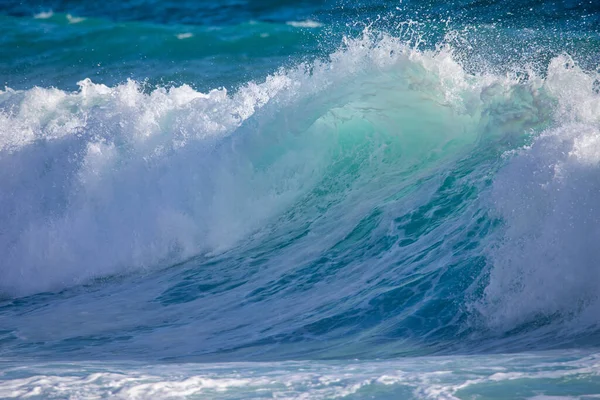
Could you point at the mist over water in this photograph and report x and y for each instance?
(378, 206)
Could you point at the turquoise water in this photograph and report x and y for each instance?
(312, 200)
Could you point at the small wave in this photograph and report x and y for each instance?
(185, 35)
(44, 15)
(305, 24)
(74, 20)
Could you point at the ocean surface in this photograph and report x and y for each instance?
(317, 199)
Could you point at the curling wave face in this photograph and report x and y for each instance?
(382, 201)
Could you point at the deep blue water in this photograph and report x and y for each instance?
(317, 199)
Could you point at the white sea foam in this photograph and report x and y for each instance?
(418, 378)
(129, 176)
(546, 264)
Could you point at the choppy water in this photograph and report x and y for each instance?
(312, 200)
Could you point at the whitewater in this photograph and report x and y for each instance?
(399, 216)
